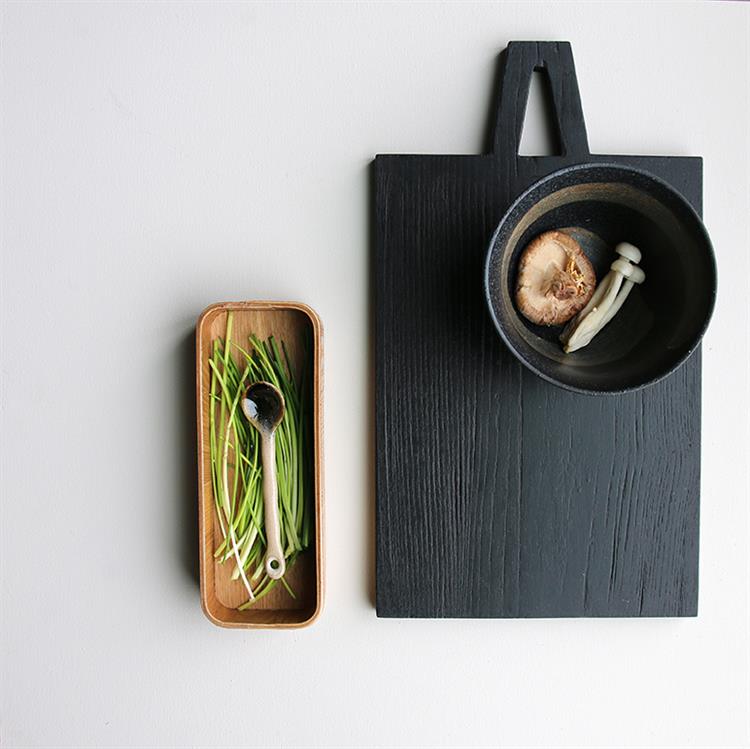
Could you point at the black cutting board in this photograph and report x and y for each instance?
(497, 493)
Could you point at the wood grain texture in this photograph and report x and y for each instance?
(498, 494)
(298, 326)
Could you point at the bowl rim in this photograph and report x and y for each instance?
(622, 168)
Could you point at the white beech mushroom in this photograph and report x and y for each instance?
(555, 279)
(606, 301)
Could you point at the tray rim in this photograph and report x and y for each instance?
(317, 361)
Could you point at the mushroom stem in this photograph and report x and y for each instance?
(607, 300)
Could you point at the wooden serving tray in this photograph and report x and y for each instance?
(292, 323)
(497, 493)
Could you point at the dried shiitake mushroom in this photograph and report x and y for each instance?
(555, 279)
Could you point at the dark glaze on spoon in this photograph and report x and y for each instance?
(263, 405)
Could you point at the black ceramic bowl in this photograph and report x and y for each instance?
(662, 320)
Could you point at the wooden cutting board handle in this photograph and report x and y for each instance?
(555, 60)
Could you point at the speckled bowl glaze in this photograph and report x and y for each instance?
(663, 319)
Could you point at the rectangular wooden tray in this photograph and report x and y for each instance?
(292, 323)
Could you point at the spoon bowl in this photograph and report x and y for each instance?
(263, 406)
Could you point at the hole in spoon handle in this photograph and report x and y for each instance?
(275, 566)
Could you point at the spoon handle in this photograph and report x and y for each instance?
(275, 563)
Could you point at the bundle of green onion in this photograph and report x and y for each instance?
(236, 469)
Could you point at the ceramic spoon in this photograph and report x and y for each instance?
(263, 405)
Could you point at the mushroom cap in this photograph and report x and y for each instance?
(555, 279)
(629, 251)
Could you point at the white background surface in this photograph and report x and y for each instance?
(156, 158)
